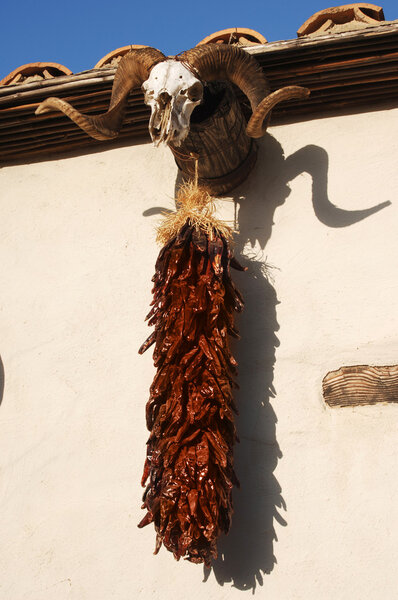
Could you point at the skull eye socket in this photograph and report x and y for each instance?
(195, 92)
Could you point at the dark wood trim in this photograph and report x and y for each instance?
(346, 72)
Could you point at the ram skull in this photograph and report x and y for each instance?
(172, 92)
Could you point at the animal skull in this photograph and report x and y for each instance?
(172, 92)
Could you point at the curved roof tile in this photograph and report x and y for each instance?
(112, 58)
(235, 35)
(35, 71)
(342, 18)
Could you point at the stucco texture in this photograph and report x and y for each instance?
(316, 516)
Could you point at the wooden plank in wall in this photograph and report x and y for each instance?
(361, 384)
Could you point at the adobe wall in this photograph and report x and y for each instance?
(316, 516)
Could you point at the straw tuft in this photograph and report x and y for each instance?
(197, 207)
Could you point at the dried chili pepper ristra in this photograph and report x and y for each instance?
(189, 463)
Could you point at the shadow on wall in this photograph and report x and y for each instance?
(256, 213)
(247, 552)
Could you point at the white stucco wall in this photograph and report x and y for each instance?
(317, 513)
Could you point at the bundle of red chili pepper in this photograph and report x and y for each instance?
(190, 410)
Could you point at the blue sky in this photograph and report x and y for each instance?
(78, 33)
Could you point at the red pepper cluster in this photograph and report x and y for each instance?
(190, 410)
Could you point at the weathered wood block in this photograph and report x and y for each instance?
(361, 384)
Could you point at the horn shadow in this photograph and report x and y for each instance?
(315, 161)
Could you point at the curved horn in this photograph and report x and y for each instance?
(131, 72)
(257, 126)
(222, 62)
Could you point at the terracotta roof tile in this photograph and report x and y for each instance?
(342, 18)
(113, 58)
(235, 35)
(34, 72)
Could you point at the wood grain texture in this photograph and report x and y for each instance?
(361, 384)
(225, 154)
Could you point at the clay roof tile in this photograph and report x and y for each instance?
(113, 58)
(34, 72)
(235, 35)
(342, 18)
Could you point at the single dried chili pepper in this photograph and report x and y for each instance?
(189, 464)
